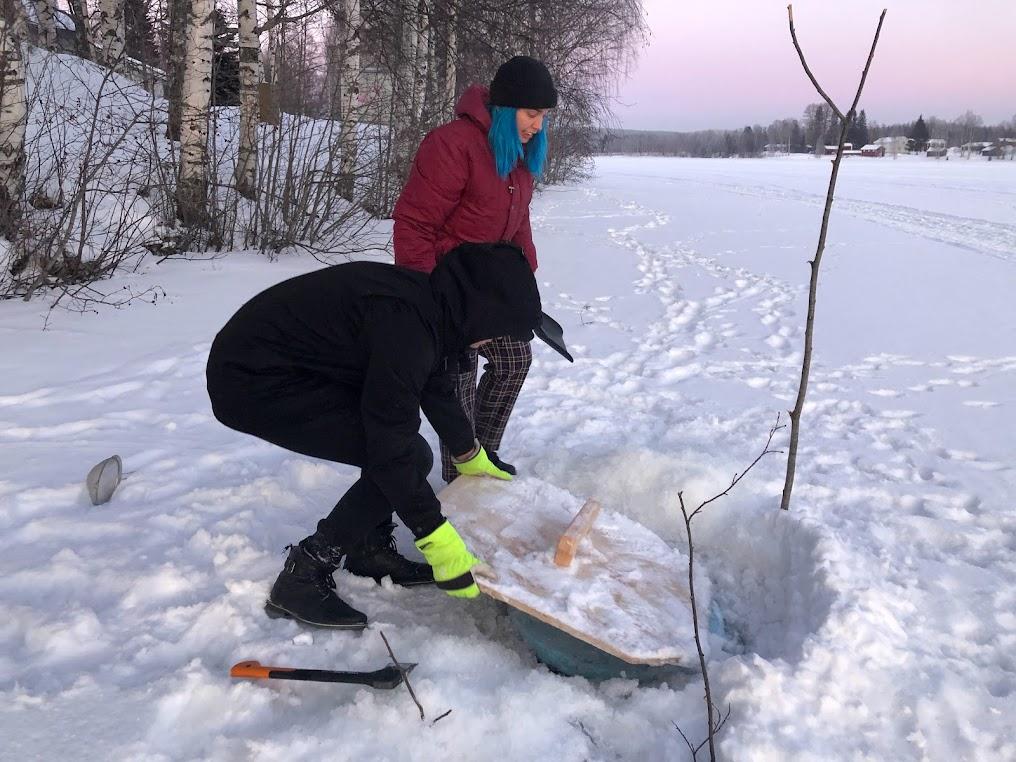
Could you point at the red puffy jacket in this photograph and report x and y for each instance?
(455, 195)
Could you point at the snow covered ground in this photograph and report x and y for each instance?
(876, 620)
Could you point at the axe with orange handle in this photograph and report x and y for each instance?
(386, 678)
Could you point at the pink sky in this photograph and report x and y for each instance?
(727, 63)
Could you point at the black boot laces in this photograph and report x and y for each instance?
(323, 581)
(389, 548)
(380, 541)
(320, 572)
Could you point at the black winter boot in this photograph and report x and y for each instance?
(378, 557)
(507, 467)
(305, 589)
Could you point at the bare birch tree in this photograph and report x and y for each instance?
(46, 17)
(13, 117)
(403, 111)
(196, 93)
(349, 75)
(408, 61)
(113, 32)
(451, 57)
(175, 63)
(250, 82)
(423, 58)
(588, 45)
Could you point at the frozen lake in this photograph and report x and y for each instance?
(874, 621)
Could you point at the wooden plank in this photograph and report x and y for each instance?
(568, 545)
(626, 593)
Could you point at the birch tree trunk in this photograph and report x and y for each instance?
(421, 59)
(192, 184)
(410, 29)
(412, 64)
(47, 22)
(451, 58)
(79, 13)
(13, 119)
(113, 31)
(176, 58)
(250, 81)
(403, 90)
(432, 90)
(349, 76)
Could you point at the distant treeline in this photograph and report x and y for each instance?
(817, 128)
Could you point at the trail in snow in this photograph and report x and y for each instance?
(995, 238)
(896, 483)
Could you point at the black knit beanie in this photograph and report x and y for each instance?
(523, 82)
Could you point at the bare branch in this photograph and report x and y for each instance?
(405, 677)
(440, 717)
(807, 70)
(867, 66)
(282, 18)
(723, 721)
(809, 328)
(737, 477)
(713, 726)
(691, 748)
(587, 734)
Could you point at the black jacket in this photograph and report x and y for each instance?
(383, 336)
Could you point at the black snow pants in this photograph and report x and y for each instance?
(316, 417)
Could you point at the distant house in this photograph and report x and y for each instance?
(974, 147)
(873, 150)
(936, 148)
(992, 151)
(848, 148)
(893, 145)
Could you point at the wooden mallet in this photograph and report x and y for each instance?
(579, 527)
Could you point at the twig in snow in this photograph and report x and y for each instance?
(440, 717)
(405, 676)
(693, 749)
(713, 725)
(587, 734)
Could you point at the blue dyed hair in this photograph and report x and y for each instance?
(507, 145)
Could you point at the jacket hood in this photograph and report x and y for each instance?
(473, 106)
(485, 290)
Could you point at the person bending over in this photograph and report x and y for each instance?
(338, 364)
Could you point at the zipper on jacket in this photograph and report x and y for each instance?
(511, 208)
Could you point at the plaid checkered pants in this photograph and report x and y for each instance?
(490, 405)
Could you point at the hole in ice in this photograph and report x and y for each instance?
(765, 566)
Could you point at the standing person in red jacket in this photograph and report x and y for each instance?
(472, 181)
